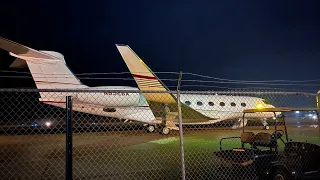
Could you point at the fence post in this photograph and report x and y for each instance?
(180, 129)
(68, 138)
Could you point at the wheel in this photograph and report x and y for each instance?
(150, 128)
(165, 130)
(280, 174)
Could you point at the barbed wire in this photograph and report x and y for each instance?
(236, 82)
(224, 87)
(269, 84)
(80, 74)
(185, 80)
(189, 87)
(94, 78)
(96, 90)
(222, 79)
(176, 73)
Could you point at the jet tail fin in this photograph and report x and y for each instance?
(48, 68)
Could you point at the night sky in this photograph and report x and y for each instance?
(244, 40)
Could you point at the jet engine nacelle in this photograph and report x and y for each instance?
(110, 99)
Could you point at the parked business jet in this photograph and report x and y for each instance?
(49, 71)
(196, 108)
(157, 110)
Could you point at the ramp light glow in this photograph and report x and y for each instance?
(48, 123)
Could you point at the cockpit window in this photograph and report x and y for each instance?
(265, 101)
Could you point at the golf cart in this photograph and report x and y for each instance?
(260, 152)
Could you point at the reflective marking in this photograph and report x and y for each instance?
(143, 77)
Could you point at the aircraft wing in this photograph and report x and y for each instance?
(160, 103)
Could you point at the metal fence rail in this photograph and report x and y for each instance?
(134, 134)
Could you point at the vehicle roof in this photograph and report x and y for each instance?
(280, 109)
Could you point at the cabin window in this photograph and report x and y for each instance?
(211, 103)
(188, 103)
(222, 103)
(233, 104)
(243, 104)
(199, 103)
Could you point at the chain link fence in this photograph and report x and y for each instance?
(135, 135)
(32, 140)
(228, 150)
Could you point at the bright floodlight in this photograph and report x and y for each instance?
(48, 123)
(259, 106)
(297, 112)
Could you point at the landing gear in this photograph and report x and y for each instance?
(150, 128)
(165, 124)
(165, 130)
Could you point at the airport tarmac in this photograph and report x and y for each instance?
(124, 154)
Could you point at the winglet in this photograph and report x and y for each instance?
(144, 76)
(147, 80)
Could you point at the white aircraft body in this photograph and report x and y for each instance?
(49, 71)
(196, 108)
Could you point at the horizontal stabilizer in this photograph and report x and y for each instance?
(18, 63)
(48, 68)
(16, 50)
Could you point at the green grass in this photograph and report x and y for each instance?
(164, 154)
(127, 155)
